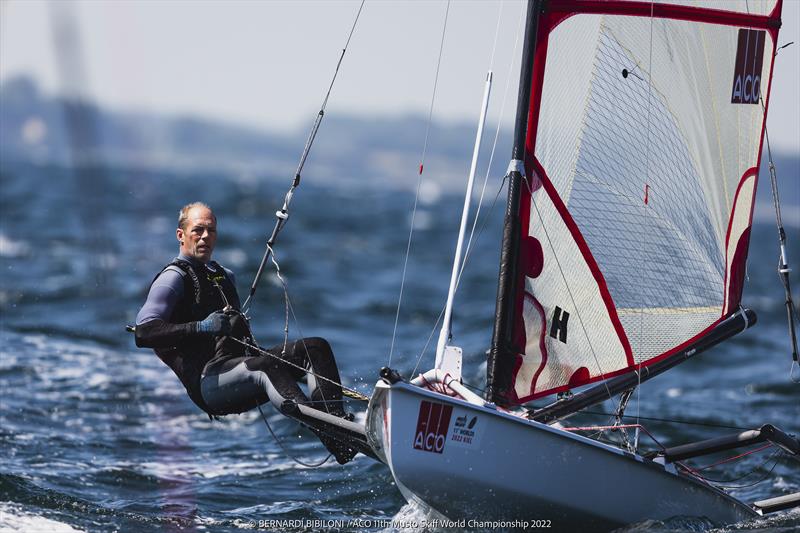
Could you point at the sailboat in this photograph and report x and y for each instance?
(637, 143)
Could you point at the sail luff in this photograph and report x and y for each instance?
(501, 355)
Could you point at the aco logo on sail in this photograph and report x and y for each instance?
(747, 71)
(432, 424)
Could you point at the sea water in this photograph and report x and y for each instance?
(97, 435)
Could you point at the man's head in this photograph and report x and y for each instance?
(197, 231)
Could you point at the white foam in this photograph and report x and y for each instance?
(412, 513)
(12, 248)
(279, 507)
(14, 518)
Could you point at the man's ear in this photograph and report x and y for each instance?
(179, 235)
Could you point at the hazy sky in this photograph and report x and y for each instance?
(267, 64)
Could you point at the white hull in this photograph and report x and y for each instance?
(507, 468)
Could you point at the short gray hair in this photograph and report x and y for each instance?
(183, 214)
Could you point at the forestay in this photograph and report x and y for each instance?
(643, 144)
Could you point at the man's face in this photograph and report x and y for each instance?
(199, 235)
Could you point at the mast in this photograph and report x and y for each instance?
(501, 352)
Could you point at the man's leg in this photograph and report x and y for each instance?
(315, 357)
(238, 383)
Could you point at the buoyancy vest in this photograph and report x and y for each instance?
(201, 297)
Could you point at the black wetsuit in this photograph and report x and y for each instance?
(220, 375)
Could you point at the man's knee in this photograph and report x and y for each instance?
(259, 363)
(318, 344)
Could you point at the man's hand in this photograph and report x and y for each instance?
(216, 324)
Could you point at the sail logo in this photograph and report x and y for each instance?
(432, 425)
(747, 71)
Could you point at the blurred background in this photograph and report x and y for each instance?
(115, 114)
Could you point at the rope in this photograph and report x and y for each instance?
(283, 448)
(721, 483)
(419, 185)
(756, 482)
(289, 308)
(735, 457)
(350, 393)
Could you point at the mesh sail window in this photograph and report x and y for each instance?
(643, 144)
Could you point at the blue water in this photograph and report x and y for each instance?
(98, 435)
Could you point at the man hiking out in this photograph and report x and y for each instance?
(192, 320)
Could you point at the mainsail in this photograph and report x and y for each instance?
(642, 146)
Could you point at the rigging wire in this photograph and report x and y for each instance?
(281, 217)
(783, 264)
(441, 314)
(445, 335)
(669, 420)
(468, 251)
(419, 185)
(623, 403)
(496, 35)
(283, 214)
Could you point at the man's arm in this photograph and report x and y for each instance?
(153, 329)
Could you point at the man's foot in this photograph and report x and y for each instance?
(340, 451)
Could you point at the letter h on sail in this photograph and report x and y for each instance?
(558, 326)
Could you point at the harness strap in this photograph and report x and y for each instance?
(186, 268)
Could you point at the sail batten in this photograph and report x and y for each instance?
(644, 133)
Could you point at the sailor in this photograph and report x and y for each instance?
(192, 320)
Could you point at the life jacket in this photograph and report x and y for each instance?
(201, 297)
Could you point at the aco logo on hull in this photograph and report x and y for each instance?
(432, 425)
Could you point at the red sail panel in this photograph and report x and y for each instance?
(645, 130)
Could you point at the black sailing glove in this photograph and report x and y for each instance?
(216, 324)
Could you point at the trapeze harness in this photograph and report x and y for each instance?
(220, 374)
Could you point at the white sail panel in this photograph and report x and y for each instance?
(645, 146)
(566, 319)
